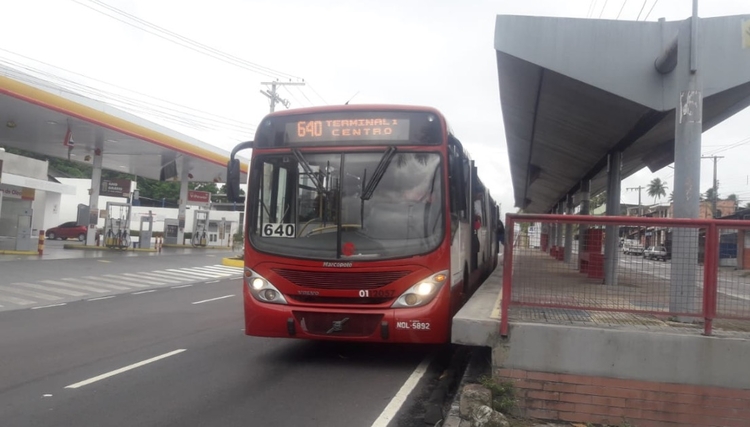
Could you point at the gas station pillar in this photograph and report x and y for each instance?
(96, 183)
(182, 209)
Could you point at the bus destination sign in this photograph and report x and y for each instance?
(369, 129)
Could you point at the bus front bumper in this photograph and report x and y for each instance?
(426, 324)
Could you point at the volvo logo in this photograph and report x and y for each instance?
(338, 325)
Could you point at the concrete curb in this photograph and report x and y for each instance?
(233, 262)
(473, 371)
(9, 252)
(226, 248)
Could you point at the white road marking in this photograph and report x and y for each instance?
(91, 283)
(152, 276)
(195, 273)
(100, 298)
(398, 400)
(213, 281)
(48, 306)
(124, 369)
(143, 279)
(167, 276)
(181, 286)
(143, 292)
(213, 299)
(213, 268)
(52, 289)
(79, 287)
(187, 276)
(16, 301)
(46, 395)
(103, 260)
(213, 271)
(112, 278)
(29, 293)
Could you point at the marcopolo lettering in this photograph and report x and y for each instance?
(337, 264)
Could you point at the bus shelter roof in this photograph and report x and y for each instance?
(572, 91)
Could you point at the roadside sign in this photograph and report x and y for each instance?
(201, 197)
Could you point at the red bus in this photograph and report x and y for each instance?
(362, 223)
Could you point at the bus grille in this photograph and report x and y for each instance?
(340, 280)
(338, 300)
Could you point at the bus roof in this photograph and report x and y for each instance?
(355, 107)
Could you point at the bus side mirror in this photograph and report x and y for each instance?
(233, 180)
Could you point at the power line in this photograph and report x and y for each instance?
(649, 12)
(316, 93)
(716, 184)
(184, 41)
(273, 96)
(134, 106)
(304, 95)
(641, 11)
(733, 145)
(639, 188)
(190, 44)
(591, 8)
(603, 7)
(621, 8)
(208, 116)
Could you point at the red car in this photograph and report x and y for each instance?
(68, 230)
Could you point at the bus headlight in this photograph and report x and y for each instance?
(422, 292)
(261, 289)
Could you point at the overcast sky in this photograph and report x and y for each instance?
(438, 53)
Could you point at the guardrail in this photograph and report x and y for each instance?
(701, 279)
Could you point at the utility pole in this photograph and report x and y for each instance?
(639, 188)
(274, 97)
(716, 184)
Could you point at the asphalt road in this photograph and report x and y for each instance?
(91, 362)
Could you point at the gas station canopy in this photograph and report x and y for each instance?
(39, 117)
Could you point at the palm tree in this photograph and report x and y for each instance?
(656, 189)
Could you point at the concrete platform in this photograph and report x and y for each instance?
(478, 321)
(606, 367)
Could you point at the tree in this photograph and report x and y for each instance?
(656, 189)
(710, 196)
(598, 200)
(733, 198)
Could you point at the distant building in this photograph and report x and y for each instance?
(723, 208)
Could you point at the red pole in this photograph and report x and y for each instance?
(507, 275)
(710, 277)
(40, 245)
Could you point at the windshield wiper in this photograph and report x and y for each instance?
(308, 170)
(378, 174)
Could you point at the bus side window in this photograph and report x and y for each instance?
(456, 179)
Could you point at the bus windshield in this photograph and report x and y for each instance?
(313, 205)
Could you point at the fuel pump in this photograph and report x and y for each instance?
(200, 223)
(117, 225)
(146, 230)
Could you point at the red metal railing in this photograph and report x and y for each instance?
(573, 278)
